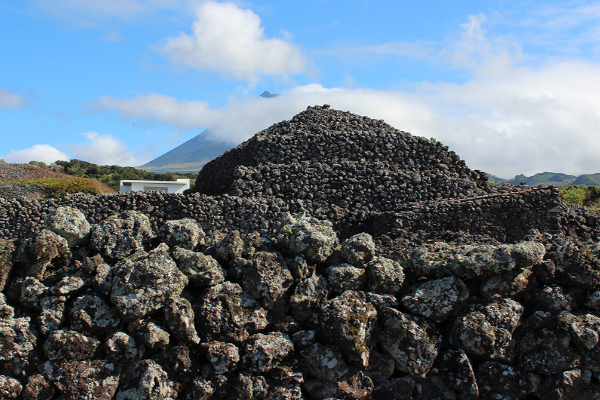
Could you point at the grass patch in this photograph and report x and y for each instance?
(585, 196)
(60, 187)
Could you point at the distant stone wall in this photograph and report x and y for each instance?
(507, 216)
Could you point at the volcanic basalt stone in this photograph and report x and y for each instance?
(385, 276)
(69, 345)
(313, 239)
(38, 388)
(223, 356)
(268, 279)
(436, 299)
(486, 330)
(184, 233)
(324, 362)
(224, 312)
(91, 314)
(121, 235)
(86, 380)
(359, 249)
(7, 250)
(264, 352)
(179, 316)
(10, 388)
(37, 253)
(145, 282)
(201, 269)
(412, 343)
(69, 223)
(145, 379)
(577, 266)
(346, 277)
(501, 381)
(309, 297)
(348, 321)
(122, 347)
(150, 334)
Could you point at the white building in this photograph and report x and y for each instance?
(165, 186)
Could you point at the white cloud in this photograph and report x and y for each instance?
(113, 37)
(231, 41)
(39, 152)
(509, 118)
(9, 99)
(107, 150)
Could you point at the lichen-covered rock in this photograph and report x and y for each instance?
(501, 381)
(122, 347)
(358, 386)
(224, 357)
(395, 389)
(553, 298)
(304, 339)
(145, 379)
(203, 270)
(69, 345)
(508, 285)
(7, 251)
(324, 362)
(547, 352)
(286, 383)
(52, 314)
(225, 313)
(10, 388)
(455, 367)
(436, 299)
(309, 237)
(486, 330)
(91, 314)
(385, 276)
(230, 247)
(37, 253)
(38, 388)
(18, 340)
(346, 277)
(268, 279)
(150, 334)
(201, 389)
(584, 328)
(381, 366)
(69, 223)
(32, 291)
(577, 266)
(121, 235)
(475, 261)
(309, 297)
(348, 321)
(184, 233)
(412, 343)
(359, 249)
(572, 384)
(146, 283)
(86, 380)
(263, 352)
(180, 319)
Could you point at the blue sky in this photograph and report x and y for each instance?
(511, 86)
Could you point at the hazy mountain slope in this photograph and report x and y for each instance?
(588, 180)
(189, 156)
(544, 178)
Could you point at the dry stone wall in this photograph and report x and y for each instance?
(329, 257)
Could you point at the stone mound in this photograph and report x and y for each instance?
(338, 158)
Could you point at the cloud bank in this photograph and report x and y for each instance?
(39, 152)
(97, 149)
(522, 120)
(231, 41)
(10, 99)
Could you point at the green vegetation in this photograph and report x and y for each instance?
(60, 187)
(586, 196)
(111, 175)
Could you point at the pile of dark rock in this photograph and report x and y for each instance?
(329, 257)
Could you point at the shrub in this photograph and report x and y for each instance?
(60, 187)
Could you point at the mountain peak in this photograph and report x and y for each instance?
(268, 95)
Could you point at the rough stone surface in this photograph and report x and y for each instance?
(121, 235)
(253, 312)
(184, 233)
(313, 239)
(436, 299)
(69, 223)
(145, 283)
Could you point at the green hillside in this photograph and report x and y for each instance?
(111, 175)
(544, 178)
